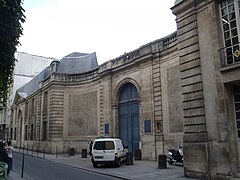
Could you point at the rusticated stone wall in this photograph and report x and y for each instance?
(56, 109)
(195, 135)
(174, 100)
(210, 142)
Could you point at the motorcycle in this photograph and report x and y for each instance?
(3, 170)
(175, 156)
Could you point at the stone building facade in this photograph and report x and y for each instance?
(208, 44)
(184, 88)
(118, 98)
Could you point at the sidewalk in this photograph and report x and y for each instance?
(141, 169)
(14, 176)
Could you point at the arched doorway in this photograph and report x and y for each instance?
(128, 115)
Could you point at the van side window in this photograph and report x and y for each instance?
(103, 145)
(119, 145)
(124, 147)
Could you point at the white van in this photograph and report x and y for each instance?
(108, 151)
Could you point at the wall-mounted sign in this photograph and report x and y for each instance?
(237, 53)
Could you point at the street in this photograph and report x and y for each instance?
(38, 169)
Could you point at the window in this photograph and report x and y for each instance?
(31, 132)
(26, 109)
(236, 92)
(147, 126)
(53, 67)
(26, 132)
(15, 133)
(33, 106)
(45, 103)
(230, 13)
(106, 128)
(103, 145)
(44, 131)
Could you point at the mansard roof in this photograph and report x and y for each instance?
(33, 85)
(74, 63)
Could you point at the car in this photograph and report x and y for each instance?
(108, 151)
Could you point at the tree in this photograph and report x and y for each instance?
(11, 17)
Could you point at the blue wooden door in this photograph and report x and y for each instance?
(129, 128)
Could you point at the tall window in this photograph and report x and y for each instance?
(26, 109)
(33, 106)
(45, 103)
(31, 132)
(106, 128)
(15, 133)
(230, 13)
(236, 91)
(44, 131)
(26, 133)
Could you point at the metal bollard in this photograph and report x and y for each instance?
(138, 154)
(129, 158)
(71, 151)
(68, 151)
(84, 153)
(22, 166)
(56, 151)
(44, 152)
(162, 161)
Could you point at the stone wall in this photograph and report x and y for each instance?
(79, 105)
(207, 145)
(82, 114)
(195, 135)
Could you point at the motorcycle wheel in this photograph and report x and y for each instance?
(170, 162)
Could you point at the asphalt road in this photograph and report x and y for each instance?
(38, 169)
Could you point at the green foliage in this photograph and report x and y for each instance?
(11, 17)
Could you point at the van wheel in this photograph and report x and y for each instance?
(118, 162)
(95, 165)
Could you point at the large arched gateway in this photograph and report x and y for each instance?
(128, 115)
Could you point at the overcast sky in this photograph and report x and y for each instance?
(56, 28)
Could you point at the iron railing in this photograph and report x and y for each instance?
(230, 55)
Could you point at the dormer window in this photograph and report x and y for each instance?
(54, 66)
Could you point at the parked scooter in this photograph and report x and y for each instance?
(175, 156)
(3, 170)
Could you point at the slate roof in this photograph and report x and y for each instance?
(74, 63)
(33, 85)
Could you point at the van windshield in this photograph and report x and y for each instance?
(103, 145)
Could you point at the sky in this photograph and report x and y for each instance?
(56, 28)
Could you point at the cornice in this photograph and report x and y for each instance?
(182, 6)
